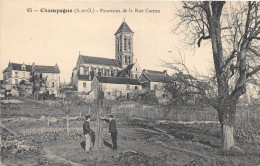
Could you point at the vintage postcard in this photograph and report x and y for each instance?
(130, 83)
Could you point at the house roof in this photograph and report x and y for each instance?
(124, 28)
(118, 80)
(46, 69)
(154, 72)
(158, 78)
(183, 76)
(37, 68)
(17, 66)
(84, 77)
(100, 61)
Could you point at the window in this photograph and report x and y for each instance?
(136, 87)
(23, 67)
(124, 43)
(117, 45)
(120, 45)
(129, 45)
(127, 87)
(53, 84)
(126, 59)
(16, 81)
(16, 74)
(84, 84)
(135, 69)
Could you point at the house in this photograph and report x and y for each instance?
(65, 89)
(154, 80)
(122, 66)
(16, 74)
(114, 87)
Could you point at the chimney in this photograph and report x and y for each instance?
(33, 66)
(165, 72)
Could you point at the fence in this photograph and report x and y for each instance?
(246, 117)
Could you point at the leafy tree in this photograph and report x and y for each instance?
(38, 83)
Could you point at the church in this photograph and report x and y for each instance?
(124, 65)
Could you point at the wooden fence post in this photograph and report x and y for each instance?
(99, 123)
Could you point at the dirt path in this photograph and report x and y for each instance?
(50, 155)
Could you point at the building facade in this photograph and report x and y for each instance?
(114, 87)
(20, 74)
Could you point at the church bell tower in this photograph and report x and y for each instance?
(124, 45)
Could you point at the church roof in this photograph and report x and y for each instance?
(100, 61)
(124, 28)
(117, 80)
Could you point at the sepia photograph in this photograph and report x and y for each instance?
(129, 83)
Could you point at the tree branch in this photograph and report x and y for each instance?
(256, 69)
(202, 38)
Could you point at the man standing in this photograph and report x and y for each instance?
(112, 130)
(87, 132)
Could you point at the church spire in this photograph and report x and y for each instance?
(124, 28)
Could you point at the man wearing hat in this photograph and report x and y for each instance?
(112, 129)
(87, 132)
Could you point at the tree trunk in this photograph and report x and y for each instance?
(227, 121)
(99, 128)
(228, 138)
(48, 121)
(80, 113)
(68, 124)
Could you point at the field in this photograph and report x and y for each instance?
(34, 133)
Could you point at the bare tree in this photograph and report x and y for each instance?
(234, 32)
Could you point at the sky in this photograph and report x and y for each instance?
(50, 38)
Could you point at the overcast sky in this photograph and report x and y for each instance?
(50, 38)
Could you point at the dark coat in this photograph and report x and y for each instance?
(112, 125)
(86, 128)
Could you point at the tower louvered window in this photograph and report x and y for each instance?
(125, 44)
(129, 45)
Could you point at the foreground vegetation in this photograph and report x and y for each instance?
(29, 137)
